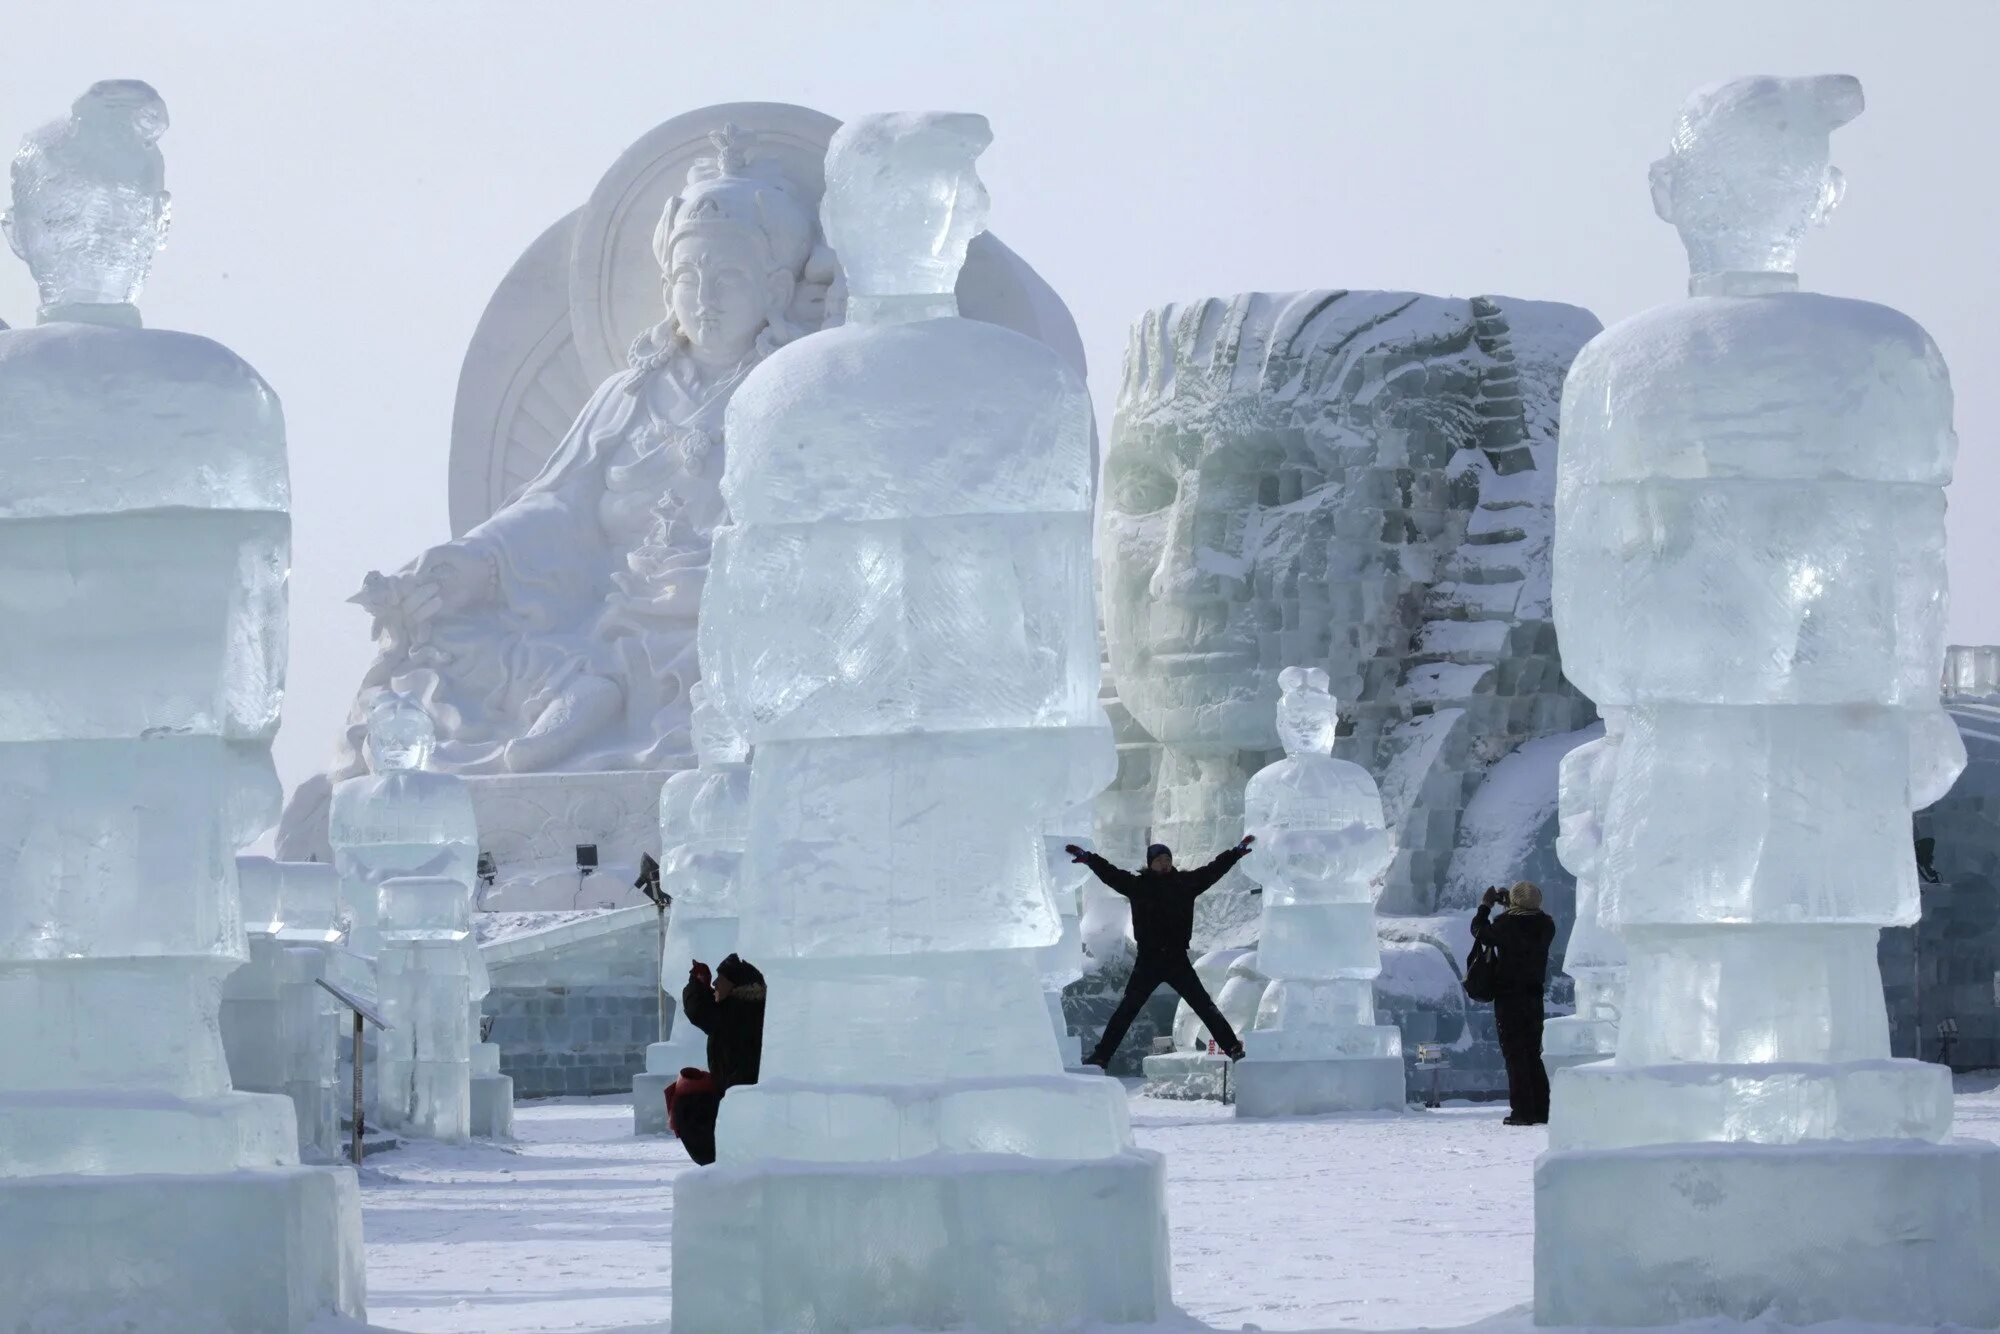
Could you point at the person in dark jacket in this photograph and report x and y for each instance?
(1521, 937)
(1162, 898)
(730, 1009)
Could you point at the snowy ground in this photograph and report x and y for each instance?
(1374, 1223)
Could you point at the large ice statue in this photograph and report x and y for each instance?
(900, 620)
(1595, 957)
(144, 548)
(703, 815)
(1750, 570)
(1320, 853)
(407, 819)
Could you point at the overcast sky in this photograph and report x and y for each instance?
(351, 180)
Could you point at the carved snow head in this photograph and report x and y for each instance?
(1749, 170)
(90, 203)
(904, 200)
(401, 735)
(732, 247)
(1308, 717)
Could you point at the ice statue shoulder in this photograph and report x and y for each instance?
(89, 209)
(1845, 405)
(860, 427)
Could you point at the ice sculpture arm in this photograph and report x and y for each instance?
(1205, 878)
(698, 1005)
(1121, 882)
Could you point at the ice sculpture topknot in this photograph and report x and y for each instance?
(903, 201)
(1748, 172)
(90, 203)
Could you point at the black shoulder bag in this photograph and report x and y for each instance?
(1482, 972)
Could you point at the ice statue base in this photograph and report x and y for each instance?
(980, 1241)
(1191, 1076)
(1904, 1233)
(1307, 1088)
(664, 1063)
(492, 1107)
(223, 1253)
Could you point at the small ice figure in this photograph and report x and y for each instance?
(1321, 849)
(1750, 580)
(90, 199)
(279, 1026)
(1595, 958)
(425, 973)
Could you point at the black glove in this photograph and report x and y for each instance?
(1248, 839)
(1076, 854)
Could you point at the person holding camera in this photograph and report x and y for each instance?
(1520, 938)
(729, 1007)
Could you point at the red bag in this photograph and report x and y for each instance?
(691, 1081)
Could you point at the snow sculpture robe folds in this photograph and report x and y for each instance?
(144, 548)
(899, 619)
(1750, 572)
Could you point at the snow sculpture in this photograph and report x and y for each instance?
(1320, 853)
(1357, 481)
(406, 819)
(279, 1026)
(144, 545)
(900, 620)
(425, 966)
(1750, 570)
(703, 815)
(1595, 957)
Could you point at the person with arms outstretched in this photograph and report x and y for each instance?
(1162, 898)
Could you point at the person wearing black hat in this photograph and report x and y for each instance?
(730, 1009)
(1162, 899)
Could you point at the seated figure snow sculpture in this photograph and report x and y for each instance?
(1750, 570)
(899, 618)
(1320, 853)
(145, 543)
(1595, 958)
(702, 826)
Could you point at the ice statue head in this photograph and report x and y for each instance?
(1308, 716)
(904, 200)
(90, 204)
(401, 735)
(716, 739)
(731, 247)
(1749, 172)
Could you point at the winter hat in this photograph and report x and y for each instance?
(739, 973)
(1525, 896)
(1158, 850)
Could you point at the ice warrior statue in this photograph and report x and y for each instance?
(900, 621)
(1750, 571)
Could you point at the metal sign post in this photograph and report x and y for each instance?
(363, 1011)
(1431, 1056)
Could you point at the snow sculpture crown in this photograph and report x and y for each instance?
(400, 735)
(730, 192)
(1308, 716)
(90, 203)
(903, 200)
(1748, 172)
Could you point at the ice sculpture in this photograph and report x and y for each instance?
(1062, 962)
(899, 618)
(425, 972)
(279, 1026)
(1750, 570)
(144, 547)
(702, 826)
(1595, 957)
(406, 819)
(1320, 853)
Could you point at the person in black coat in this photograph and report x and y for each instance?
(730, 1009)
(1521, 937)
(1162, 898)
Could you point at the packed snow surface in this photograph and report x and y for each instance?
(1375, 1222)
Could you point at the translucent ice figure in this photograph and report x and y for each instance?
(426, 982)
(1062, 962)
(899, 618)
(1750, 573)
(1595, 958)
(144, 547)
(1320, 853)
(279, 1025)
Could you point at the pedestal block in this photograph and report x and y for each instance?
(980, 1241)
(1307, 1088)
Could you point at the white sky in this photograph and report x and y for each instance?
(351, 180)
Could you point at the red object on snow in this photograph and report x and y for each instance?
(691, 1081)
